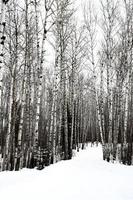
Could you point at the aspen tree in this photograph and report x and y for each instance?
(2, 43)
(48, 13)
(2, 39)
(90, 21)
(109, 10)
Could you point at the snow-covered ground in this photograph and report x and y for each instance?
(85, 177)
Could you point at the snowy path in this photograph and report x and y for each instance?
(85, 177)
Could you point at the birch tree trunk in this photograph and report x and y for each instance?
(48, 5)
(2, 40)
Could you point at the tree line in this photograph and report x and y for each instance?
(61, 86)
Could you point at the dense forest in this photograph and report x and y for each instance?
(65, 81)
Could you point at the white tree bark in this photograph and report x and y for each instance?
(2, 41)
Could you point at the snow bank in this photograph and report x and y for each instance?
(85, 177)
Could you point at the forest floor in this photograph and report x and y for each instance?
(85, 177)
